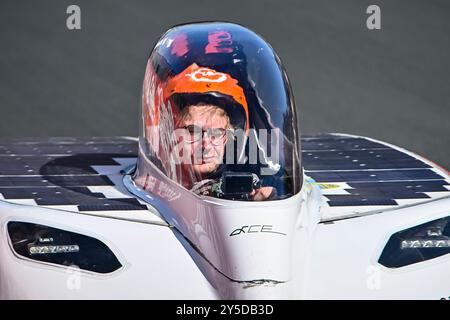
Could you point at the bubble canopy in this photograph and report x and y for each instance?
(218, 115)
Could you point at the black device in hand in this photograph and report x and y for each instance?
(238, 185)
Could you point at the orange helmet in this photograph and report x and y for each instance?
(198, 81)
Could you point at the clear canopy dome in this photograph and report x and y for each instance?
(218, 115)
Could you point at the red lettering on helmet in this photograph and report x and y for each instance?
(179, 46)
(219, 42)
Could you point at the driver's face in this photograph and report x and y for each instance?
(208, 148)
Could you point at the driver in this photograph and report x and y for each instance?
(211, 104)
(207, 126)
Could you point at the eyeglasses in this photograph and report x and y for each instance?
(196, 133)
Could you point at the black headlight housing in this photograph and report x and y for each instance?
(420, 243)
(60, 247)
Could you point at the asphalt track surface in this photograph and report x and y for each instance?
(391, 84)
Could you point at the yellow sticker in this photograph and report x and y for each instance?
(328, 186)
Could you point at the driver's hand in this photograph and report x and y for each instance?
(261, 194)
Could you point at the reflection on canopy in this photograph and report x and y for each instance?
(218, 116)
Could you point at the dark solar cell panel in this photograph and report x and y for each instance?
(345, 200)
(359, 160)
(423, 185)
(52, 196)
(340, 144)
(62, 181)
(62, 149)
(113, 204)
(27, 172)
(381, 193)
(51, 165)
(378, 175)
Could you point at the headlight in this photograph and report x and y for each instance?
(60, 247)
(416, 244)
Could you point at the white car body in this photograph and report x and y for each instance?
(322, 243)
